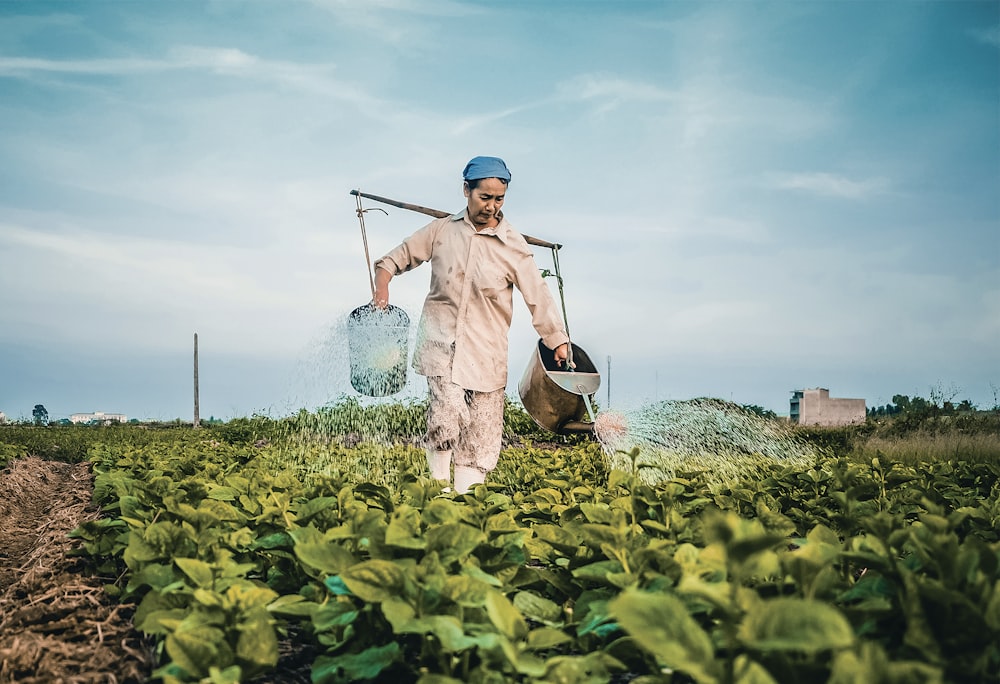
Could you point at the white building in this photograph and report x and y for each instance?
(817, 407)
(3, 418)
(98, 417)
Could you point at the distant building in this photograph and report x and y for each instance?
(98, 417)
(817, 407)
(3, 418)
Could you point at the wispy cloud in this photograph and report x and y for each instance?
(609, 91)
(833, 185)
(218, 61)
(23, 67)
(990, 36)
(407, 24)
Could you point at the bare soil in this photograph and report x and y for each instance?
(57, 624)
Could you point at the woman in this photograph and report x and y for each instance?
(477, 259)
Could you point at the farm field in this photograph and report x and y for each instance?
(316, 549)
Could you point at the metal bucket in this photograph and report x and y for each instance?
(559, 400)
(378, 343)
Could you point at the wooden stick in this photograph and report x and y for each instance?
(437, 213)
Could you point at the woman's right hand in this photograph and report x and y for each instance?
(382, 278)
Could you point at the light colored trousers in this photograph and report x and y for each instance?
(468, 423)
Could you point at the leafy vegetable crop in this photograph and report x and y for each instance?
(558, 570)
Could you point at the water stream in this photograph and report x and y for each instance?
(722, 440)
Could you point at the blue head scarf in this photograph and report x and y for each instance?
(486, 167)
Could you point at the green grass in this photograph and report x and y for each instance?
(922, 447)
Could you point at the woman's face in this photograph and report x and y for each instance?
(485, 201)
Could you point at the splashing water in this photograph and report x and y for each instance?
(723, 441)
(345, 431)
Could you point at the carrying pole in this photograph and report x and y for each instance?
(437, 213)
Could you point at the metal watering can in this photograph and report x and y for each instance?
(558, 399)
(378, 345)
(377, 340)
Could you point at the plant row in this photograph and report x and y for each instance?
(559, 570)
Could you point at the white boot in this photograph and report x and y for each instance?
(440, 464)
(466, 477)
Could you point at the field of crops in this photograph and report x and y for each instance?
(316, 548)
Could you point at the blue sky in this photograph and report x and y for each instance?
(753, 197)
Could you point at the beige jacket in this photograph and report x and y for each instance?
(470, 303)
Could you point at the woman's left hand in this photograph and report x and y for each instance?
(561, 354)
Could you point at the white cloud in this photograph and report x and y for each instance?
(606, 86)
(129, 291)
(990, 36)
(833, 185)
(222, 61)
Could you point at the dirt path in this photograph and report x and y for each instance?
(57, 626)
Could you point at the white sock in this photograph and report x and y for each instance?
(440, 464)
(466, 477)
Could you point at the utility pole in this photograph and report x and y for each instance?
(609, 380)
(197, 419)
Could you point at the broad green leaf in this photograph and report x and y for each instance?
(544, 638)
(524, 662)
(597, 512)
(257, 643)
(454, 541)
(598, 571)
(326, 556)
(991, 613)
(404, 529)
(794, 624)
(223, 493)
(398, 612)
(466, 590)
(247, 595)
(335, 585)
(212, 512)
(293, 605)
(431, 678)
(139, 552)
(822, 534)
(333, 615)
(374, 580)
(476, 573)
(747, 671)
(447, 628)
(312, 507)
(537, 607)
(230, 675)
(558, 538)
(661, 624)
(441, 511)
(155, 575)
(197, 649)
(160, 621)
(277, 540)
(451, 633)
(504, 616)
(198, 571)
(597, 667)
(209, 598)
(503, 522)
(742, 550)
(869, 663)
(354, 667)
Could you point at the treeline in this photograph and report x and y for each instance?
(903, 404)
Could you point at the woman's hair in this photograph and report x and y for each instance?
(473, 184)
